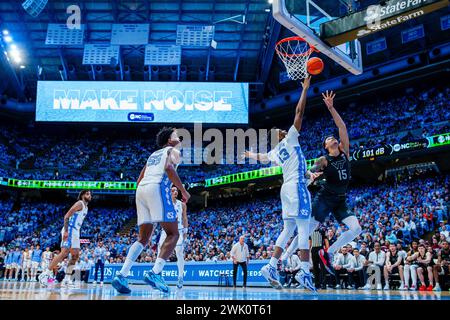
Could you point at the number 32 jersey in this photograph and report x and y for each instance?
(288, 154)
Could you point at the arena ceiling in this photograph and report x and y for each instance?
(245, 33)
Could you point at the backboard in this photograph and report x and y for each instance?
(304, 17)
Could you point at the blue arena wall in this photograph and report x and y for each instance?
(196, 273)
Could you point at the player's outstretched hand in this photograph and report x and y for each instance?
(186, 196)
(328, 98)
(306, 82)
(246, 154)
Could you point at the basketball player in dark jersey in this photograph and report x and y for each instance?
(442, 264)
(331, 198)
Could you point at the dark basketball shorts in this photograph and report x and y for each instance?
(325, 203)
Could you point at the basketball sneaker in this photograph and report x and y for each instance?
(271, 275)
(45, 278)
(328, 263)
(68, 284)
(430, 288)
(180, 283)
(156, 281)
(437, 287)
(120, 283)
(305, 279)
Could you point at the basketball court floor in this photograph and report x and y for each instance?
(33, 291)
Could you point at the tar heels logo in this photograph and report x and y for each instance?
(304, 212)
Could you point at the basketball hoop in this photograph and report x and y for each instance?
(295, 52)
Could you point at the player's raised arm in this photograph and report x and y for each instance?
(173, 175)
(328, 98)
(256, 156)
(301, 105)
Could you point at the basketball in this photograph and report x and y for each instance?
(314, 66)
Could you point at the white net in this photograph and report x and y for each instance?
(294, 53)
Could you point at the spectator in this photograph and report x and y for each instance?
(358, 262)
(291, 269)
(341, 266)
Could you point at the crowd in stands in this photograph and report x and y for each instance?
(95, 157)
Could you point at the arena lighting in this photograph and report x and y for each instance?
(5, 32)
(22, 67)
(8, 39)
(270, 1)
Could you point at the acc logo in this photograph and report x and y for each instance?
(441, 139)
(170, 215)
(396, 147)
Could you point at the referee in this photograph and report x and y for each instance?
(318, 241)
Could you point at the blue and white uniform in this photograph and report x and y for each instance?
(75, 222)
(36, 258)
(295, 197)
(16, 260)
(8, 261)
(179, 210)
(153, 196)
(47, 259)
(26, 261)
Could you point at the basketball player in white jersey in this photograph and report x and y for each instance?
(295, 197)
(154, 205)
(26, 264)
(47, 257)
(180, 208)
(70, 234)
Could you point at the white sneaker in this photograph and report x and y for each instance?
(379, 287)
(386, 287)
(101, 283)
(437, 287)
(95, 282)
(367, 287)
(403, 288)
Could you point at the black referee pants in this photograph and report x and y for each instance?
(318, 267)
(244, 269)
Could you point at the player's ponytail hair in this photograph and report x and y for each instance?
(82, 193)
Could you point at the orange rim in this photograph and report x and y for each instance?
(296, 38)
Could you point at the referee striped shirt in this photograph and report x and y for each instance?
(317, 239)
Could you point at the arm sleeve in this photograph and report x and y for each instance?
(292, 136)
